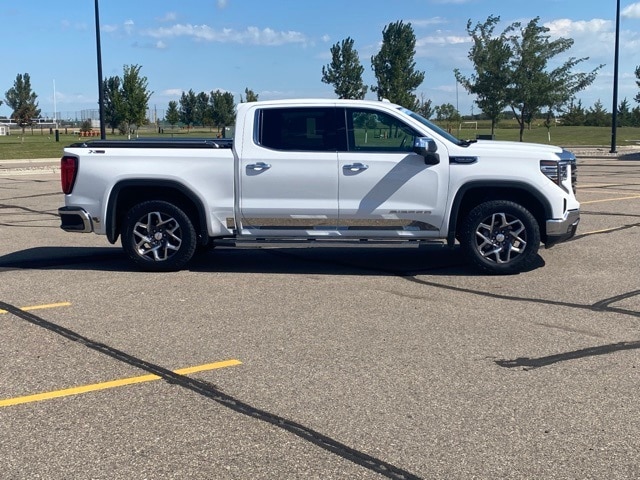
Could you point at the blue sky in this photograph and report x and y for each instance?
(278, 48)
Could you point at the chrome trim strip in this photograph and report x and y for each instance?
(323, 223)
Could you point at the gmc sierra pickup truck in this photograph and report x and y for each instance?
(322, 170)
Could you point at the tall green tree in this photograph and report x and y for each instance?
(22, 100)
(113, 103)
(532, 86)
(202, 114)
(394, 66)
(135, 97)
(490, 56)
(172, 116)
(223, 109)
(447, 114)
(425, 107)
(597, 116)
(574, 115)
(625, 117)
(187, 110)
(250, 96)
(345, 71)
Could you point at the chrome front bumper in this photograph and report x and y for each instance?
(559, 230)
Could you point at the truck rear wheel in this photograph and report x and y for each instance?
(158, 236)
(500, 237)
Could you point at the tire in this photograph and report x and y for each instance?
(500, 237)
(158, 236)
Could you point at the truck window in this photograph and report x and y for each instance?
(298, 129)
(374, 131)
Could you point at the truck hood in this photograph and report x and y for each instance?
(512, 149)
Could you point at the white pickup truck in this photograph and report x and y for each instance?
(322, 170)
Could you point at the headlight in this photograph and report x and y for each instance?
(556, 171)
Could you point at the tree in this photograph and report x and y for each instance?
(635, 115)
(188, 108)
(113, 103)
(575, 115)
(172, 116)
(425, 107)
(22, 101)
(490, 56)
(202, 114)
(223, 109)
(448, 114)
(394, 67)
(532, 87)
(625, 118)
(597, 116)
(251, 96)
(135, 97)
(345, 71)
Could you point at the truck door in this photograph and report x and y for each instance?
(288, 173)
(385, 189)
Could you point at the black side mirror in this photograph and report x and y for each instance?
(427, 147)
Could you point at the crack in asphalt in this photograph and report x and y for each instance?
(527, 363)
(210, 391)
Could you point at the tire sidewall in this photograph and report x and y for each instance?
(524, 260)
(188, 236)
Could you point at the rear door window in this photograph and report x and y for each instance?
(298, 129)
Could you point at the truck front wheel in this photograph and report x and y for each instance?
(500, 237)
(158, 236)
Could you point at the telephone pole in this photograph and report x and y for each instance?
(103, 133)
(614, 115)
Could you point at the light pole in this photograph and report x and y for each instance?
(614, 115)
(103, 133)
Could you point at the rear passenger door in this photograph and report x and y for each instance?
(288, 174)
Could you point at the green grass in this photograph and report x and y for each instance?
(563, 136)
(40, 144)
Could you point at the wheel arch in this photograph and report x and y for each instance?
(127, 193)
(475, 193)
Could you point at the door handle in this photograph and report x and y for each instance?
(355, 167)
(259, 166)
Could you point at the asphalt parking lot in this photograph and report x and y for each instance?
(320, 363)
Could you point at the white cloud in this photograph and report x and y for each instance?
(427, 22)
(108, 28)
(631, 11)
(129, 26)
(565, 27)
(442, 40)
(252, 35)
(172, 92)
(168, 17)
(222, 3)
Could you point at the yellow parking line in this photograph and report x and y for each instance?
(610, 200)
(42, 307)
(599, 231)
(112, 384)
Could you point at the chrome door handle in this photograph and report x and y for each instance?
(259, 166)
(355, 167)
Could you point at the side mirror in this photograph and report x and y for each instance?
(427, 147)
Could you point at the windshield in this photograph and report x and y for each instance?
(431, 126)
